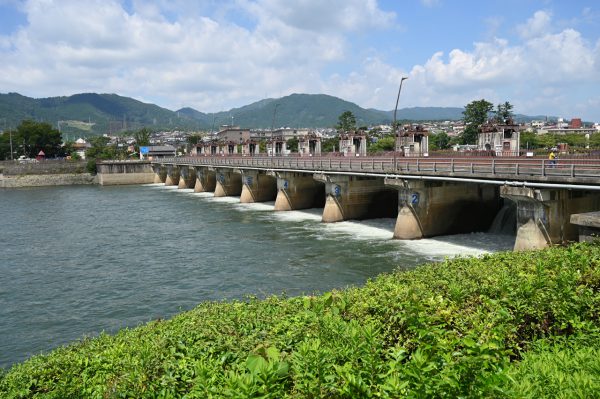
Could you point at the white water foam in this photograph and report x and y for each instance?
(204, 194)
(154, 185)
(256, 206)
(314, 214)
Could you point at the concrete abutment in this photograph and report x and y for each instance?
(544, 215)
(187, 177)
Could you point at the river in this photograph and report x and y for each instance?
(79, 260)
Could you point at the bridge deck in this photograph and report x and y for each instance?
(568, 171)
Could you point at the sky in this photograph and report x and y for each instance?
(542, 56)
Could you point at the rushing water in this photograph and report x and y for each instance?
(76, 261)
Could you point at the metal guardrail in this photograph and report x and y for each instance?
(529, 169)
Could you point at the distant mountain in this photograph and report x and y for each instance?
(92, 113)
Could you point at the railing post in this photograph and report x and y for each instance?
(452, 165)
(517, 169)
(493, 166)
(572, 170)
(543, 167)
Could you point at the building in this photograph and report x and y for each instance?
(80, 146)
(157, 151)
(251, 147)
(309, 145)
(412, 141)
(353, 143)
(233, 134)
(500, 139)
(276, 146)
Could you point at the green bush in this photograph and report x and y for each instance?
(466, 327)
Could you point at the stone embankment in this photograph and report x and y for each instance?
(44, 173)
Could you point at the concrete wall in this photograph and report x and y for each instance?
(187, 177)
(116, 173)
(46, 180)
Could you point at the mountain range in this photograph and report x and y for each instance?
(91, 113)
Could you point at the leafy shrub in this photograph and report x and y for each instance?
(466, 327)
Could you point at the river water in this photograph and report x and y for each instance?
(79, 260)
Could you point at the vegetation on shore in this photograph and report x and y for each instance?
(503, 325)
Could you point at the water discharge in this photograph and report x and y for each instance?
(77, 261)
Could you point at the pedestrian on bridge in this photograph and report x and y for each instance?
(552, 158)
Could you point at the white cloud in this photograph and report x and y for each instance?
(537, 25)
(179, 54)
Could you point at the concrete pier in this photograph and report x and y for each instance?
(257, 186)
(228, 182)
(356, 197)
(433, 208)
(160, 173)
(544, 215)
(187, 177)
(298, 191)
(172, 175)
(205, 180)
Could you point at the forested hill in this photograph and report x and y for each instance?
(92, 113)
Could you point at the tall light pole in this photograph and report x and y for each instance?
(394, 122)
(272, 127)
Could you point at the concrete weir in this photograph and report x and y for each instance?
(356, 197)
(228, 182)
(257, 186)
(298, 191)
(433, 208)
(205, 180)
(543, 215)
(172, 175)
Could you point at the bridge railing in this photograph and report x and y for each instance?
(493, 167)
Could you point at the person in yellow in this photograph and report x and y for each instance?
(552, 158)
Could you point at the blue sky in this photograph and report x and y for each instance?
(543, 56)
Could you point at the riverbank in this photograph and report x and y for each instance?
(44, 173)
(502, 325)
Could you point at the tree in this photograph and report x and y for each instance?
(142, 137)
(33, 137)
(329, 145)
(503, 112)
(439, 141)
(292, 144)
(346, 122)
(475, 114)
(383, 144)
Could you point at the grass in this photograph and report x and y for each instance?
(522, 325)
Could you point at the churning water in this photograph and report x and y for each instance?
(76, 261)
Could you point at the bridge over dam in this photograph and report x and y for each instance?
(427, 196)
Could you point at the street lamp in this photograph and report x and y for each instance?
(272, 127)
(394, 122)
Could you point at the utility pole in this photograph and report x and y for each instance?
(394, 122)
(272, 127)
